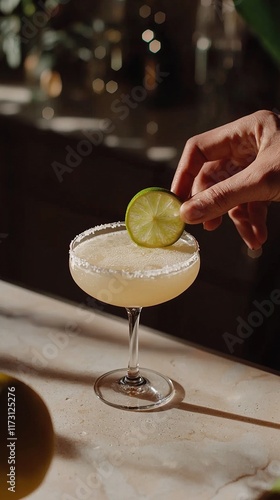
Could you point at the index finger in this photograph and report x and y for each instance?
(220, 143)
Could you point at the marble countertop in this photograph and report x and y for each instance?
(217, 439)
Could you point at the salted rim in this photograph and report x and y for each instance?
(151, 273)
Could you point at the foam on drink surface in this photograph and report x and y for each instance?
(117, 251)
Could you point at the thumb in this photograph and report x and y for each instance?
(221, 197)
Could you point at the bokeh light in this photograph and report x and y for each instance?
(155, 46)
(147, 35)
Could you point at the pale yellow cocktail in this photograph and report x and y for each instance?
(113, 269)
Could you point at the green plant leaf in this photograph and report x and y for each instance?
(263, 18)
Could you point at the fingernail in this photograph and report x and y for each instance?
(192, 211)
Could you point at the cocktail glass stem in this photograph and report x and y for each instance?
(133, 377)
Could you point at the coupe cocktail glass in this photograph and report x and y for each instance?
(109, 266)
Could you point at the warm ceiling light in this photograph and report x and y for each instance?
(100, 52)
(111, 86)
(98, 85)
(160, 17)
(145, 11)
(147, 35)
(155, 46)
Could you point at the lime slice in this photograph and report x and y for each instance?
(153, 218)
(276, 486)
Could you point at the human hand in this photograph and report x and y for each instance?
(234, 168)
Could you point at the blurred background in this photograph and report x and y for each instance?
(97, 100)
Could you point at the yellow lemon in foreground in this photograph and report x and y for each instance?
(26, 439)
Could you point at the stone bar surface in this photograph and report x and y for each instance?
(218, 438)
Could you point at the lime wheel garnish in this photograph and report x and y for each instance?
(153, 218)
